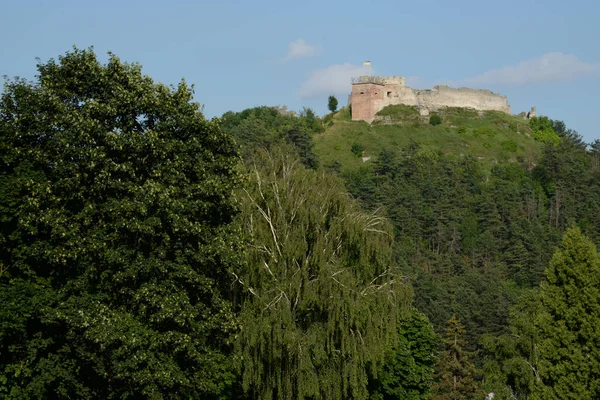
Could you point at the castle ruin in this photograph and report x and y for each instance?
(372, 93)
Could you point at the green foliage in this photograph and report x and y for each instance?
(460, 112)
(116, 209)
(455, 378)
(357, 149)
(569, 342)
(378, 137)
(484, 132)
(546, 136)
(435, 119)
(511, 360)
(320, 295)
(543, 130)
(400, 112)
(470, 240)
(301, 139)
(571, 185)
(410, 364)
(311, 120)
(264, 127)
(510, 146)
(332, 104)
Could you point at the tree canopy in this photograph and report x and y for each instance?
(321, 295)
(332, 104)
(115, 238)
(569, 342)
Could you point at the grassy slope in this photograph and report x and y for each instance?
(492, 137)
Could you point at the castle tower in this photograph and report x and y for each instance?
(365, 91)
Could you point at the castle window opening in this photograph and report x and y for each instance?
(389, 94)
(362, 92)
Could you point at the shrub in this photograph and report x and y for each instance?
(435, 120)
(399, 111)
(462, 130)
(509, 146)
(484, 131)
(357, 149)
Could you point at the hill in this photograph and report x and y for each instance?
(491, 136)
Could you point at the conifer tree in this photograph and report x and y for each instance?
(569, 348)
(332, 104)
(456, 373)
(409, 366)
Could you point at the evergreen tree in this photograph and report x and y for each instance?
(332, 104)
(410, 364)
(511, 360)
(569, 347)
(455, 379)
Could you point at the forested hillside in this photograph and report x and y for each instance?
(476, 237)
(148, 252)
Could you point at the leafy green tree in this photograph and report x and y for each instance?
(320, 295)
(569, 347)
(410, 364)
(332, 104)
(455, 379)
(543, 130)
(116, 236)
(311, 120)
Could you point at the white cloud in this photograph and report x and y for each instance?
(335, 79)
(300, 49)
(550, 67)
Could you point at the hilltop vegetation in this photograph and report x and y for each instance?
(492, 137)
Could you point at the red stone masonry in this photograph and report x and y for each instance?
(363, 95)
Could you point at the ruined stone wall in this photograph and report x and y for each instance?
(369, 98)
(444, 96)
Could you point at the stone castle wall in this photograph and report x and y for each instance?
(371, 94)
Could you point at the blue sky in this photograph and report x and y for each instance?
(240, 54)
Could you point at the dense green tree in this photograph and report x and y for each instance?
(301, 139)
(569, 341)
(320, 295)
(455, 377)
(409, 364)
(116, 211)
(543, 130)
(332, 104)
(263, 127)
(510, 361)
